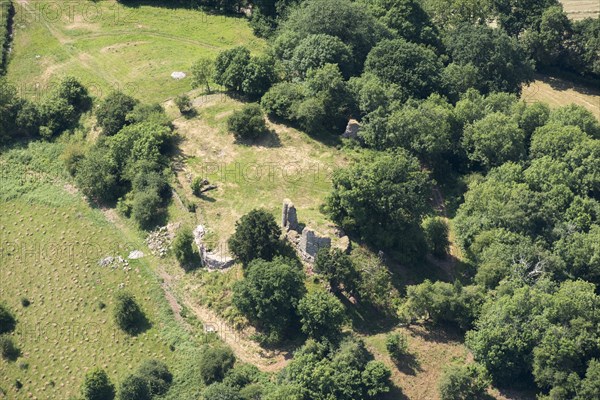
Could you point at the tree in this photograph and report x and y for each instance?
(269, 294)
(221, 391)
(230, 66)
(134, 387)
(203, 71)
(314, 51)
(259, 75)
(7, 320)
(338, 269)
(111, 112)
(321, 315)
(382, 199)
(461, 382)
(8, 348)
(96, 175)
(555, 140)
(517, 15)
(282, 100)
(501, 63)
(157, 375)
(549, 44)
(74, 93)
(97, 386)
(494, 140)
(256, 236)
(396, 345)
(127, 313)
(532, 117)
(183, 247)
(145, 208)
(247, 123)
(436, 235)
(575, 115)
(409, 20)
(414, 68)
(215, 362)
(376, 378)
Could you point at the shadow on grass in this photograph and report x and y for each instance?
(437, 333)
(395, 393)
(268, 139)
(408, 364)
(366, 319)
(142, 325)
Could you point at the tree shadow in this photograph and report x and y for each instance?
(142, 325)
(395, 393)
(366, 319)
(269, 139)
(437, 333)
(408, 364)
(562, 80)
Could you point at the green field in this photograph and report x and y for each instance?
(109, 46)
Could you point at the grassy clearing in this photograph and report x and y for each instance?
(106, 45)
(580, 9)
(558, 92)
(51, 243)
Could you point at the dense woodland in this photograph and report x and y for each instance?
(436, 88)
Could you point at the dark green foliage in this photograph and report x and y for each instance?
(314, 51)
(184, 248)
(128, 314)
(381, 199)
(214, 363)
(517, 15)
(396, 345)
(97, 386)
(256, 236)
(183, 103)
(25, 302)
(237, 70)
(494, 140)
(96, 176)
(157, 375)
(247, 124)
(581, 253)
(542, 332)
(221, 391)
(461, 382)
(74, 93)
(111, 112)
(269, 293)
(7, 320)
(144, 208)
(442, 302)
(282, 100)
(243, 375)
(134, 387)
(338, 270)
(575, 115)
(500, 61)
(8, 348)
(202, 73)
(436, 233)
(532, 117)
(586, 33)
(321, 315)
(346, 373)
(149, 113)
(414, 68)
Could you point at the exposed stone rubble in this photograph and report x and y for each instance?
(307, 242)
(159, 241)
(210, 259)
(114, 263)
(352, 129)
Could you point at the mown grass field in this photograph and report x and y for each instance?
(107, 45)
(51, 242)
(580, 9)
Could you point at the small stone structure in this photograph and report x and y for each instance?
(352, 129)
(210, 259)
(307, 242)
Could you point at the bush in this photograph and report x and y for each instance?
(197, 185)
(436, 235)
(97, 386)
(8, 348)
(396, 344)
(282, 100)
(145, 208)
(157, 375)
(248, 123)
(134, 387)
(464, 382)
(215, 362)
(322, 315)
(25, 302)
(7, 320)
(72, 156)
(256, 236)
(221, 391)
(183, 103)
(113, 110)
(128, 314)
(183, 248)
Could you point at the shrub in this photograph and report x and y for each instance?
(8, 348)
(282, 100)
(396, 344)
(97, 386)
(436, 235)
(461, 382)
(157, 375)
(247, 123)
(25, 302)
(215, 362)
(197, 185)
(322, 315)
(183, 248)
(112, 111)
(72, 156)
(256, 236)
(7, 320)
(134, 387)
(183, 103)
(128, 314)
(221, 391)
(146, 208)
